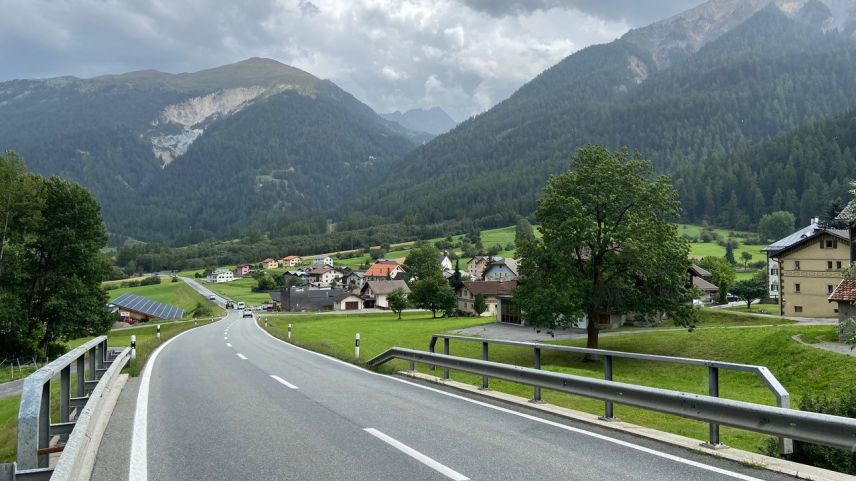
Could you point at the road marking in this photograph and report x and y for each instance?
(444, 470)
(602, 437)
(242, 356)
(225, 338)
(228, 344)
(284, 382)
(139, 465)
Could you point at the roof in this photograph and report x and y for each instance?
(804, 235)
(322, 256)
(221, 270)
(499, 261)
(317, 270)
(386, 287)
(313, 299)
(704, 284)
(490, 288)
(382, 268)
(288, 258)
(698, 271)
(151, 308)
(243, 265)
(268, 260)
(845, 292)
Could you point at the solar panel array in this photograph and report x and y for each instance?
(148, 307)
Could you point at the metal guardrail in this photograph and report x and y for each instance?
(783, 399)
(95, 367)
(835, 431)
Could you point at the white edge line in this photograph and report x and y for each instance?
(228, 344)
(431, 463)
(242, 356)
(602, 437)
(138, 469)
(283, 382)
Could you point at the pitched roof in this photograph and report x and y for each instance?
(268, 260)
(148, 307)
(703, 284)
(382, 268)
(288, 258)
(318, 270)
(804, 235)
(845, 292)
(499, 261)
(490, 288)
(386, 287)
(698, 271)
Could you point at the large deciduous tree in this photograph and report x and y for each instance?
(722, 274)
(397, 301)
(607, 247)
(776, 225)
(423, 262)
(51, 263)
(433, 294)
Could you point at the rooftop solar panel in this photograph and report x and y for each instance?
(148, 307)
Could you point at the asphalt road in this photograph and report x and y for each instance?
(226, 402)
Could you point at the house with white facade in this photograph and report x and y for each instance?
(501, 269)
(220, 275)
(322, 261)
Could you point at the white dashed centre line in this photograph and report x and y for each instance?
(228, 344)
(283, 382)
(242, 356)
(444, 470)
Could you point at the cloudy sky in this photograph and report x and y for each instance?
(462, 55)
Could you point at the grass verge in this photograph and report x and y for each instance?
(800, 368)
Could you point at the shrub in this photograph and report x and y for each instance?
(836, 459)
(150, 281)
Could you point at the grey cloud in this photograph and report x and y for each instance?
(308, 8)
(636, 13)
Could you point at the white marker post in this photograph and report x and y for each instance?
(158, 331)
(133, 347)
(357, 347)
(289, 331)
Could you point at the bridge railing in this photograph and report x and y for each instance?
(825, 429)
(96, 368)
(783, 399)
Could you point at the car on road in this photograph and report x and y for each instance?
(241, 305)
(212, 297)
(731, 297)
(247, 313)
(230, 305)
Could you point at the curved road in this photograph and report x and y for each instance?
(227, 401)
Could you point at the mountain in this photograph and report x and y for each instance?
(714, 79)
(434, 121)
(210, 153)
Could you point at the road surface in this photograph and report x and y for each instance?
(226, 401)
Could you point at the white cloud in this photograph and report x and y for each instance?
(391, 54)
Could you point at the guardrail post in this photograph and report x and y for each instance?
(446, 352)
(93, 376)
(536, 391)
(786, 445)
(81, 376)
(485, 380)
(133, 347)
(64, 396)
(713, 390)
(608, 408)
(45, 423)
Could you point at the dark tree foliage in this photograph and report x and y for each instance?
(51, 267)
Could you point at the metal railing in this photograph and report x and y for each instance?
(95, 368)
(783, 399)
(835, 431)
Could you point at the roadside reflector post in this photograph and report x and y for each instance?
(158, 331)
(133, 347)
(357, 347)
(289, 331)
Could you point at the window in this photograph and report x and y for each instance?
(838, 265)
(797, 288)
(797, 308)
(829, 265)
(796, 265)
(830, 243)
(829, 289)
(774, 288)
(774, 272)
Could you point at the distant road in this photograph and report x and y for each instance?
(228, 402)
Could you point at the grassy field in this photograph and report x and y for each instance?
(800, 368)
(240, 290)
(757, 308)
(176, 294)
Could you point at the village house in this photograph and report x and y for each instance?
(241, 270)
(845, 296)
(290, 261)
(375, 293)
(322, 261)
(477, 265)
(700, 279)
(500, 269)
(810, 264)
(270, 263)
(383, 270)
(445, 262)
(354, 280)
(220, 275)
(132, 308)
(323, 275)
(491, 290)
(302, 299)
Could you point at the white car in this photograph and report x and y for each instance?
(212, 297)
(247, 313)
(240, 305)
